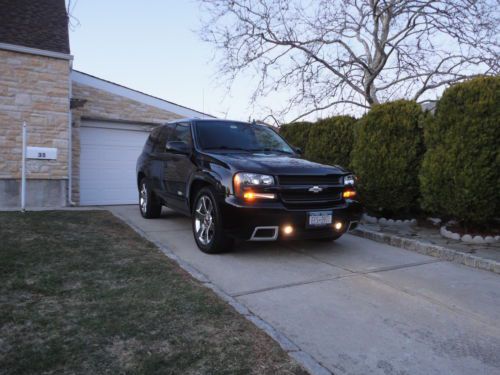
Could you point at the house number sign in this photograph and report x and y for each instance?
(43, 153)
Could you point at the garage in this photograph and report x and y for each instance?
(108, 155)
(111, 123)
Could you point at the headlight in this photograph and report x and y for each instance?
(244, 184)
(253, 179)
(349, 179)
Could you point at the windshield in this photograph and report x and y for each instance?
(224, 135)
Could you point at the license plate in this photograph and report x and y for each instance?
(319, 218)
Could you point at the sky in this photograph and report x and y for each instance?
(153, 46)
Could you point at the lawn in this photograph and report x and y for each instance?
(80, 292)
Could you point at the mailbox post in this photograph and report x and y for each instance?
(32, 152)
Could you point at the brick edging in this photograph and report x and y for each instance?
(293, 350)
(429, 249)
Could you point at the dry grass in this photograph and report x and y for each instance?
(80, 292)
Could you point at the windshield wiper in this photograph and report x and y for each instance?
(265, 149)
(227, 148)
(272, 150)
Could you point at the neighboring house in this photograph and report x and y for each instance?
(98, 127)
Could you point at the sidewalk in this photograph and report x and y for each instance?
(430, 242)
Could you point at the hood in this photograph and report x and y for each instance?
(275, 163)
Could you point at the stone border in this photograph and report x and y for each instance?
(383, 221)
(467, 238)
(429, 249)
(293, 350)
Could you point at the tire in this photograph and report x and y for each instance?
(149, 205)
(207, 224)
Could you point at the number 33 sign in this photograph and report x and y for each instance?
(44, 153)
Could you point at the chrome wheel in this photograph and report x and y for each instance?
(204, 220)
(143, 198)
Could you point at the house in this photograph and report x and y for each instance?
(97, 128)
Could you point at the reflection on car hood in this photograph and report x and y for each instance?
(274, 163)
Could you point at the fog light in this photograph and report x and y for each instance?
(338, 225)
(349, 194)
(250, 196)
(288, 229)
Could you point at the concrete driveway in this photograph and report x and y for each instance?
(356, 306)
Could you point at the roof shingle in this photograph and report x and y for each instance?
(41, 24)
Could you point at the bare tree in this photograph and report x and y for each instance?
(73, 22)
(357, 53)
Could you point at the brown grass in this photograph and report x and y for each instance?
(80, 292)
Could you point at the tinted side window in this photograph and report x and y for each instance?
(148, 146)
(152, 139)
(162, 138)
(182, 133)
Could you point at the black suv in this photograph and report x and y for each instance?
(240, 180)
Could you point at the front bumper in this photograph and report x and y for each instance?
(241, 219)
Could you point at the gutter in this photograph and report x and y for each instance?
(35, 51)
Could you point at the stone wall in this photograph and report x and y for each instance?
(95, 104)
(33, 89)
(102, 105)
(76, 118)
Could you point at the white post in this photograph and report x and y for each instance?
(23, 170)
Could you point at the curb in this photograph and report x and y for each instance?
(292, 349)
(429, 249)
(467, 238)
(385, 221)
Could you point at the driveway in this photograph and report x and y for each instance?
(356, 306)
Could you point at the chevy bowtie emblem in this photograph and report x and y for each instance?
(315, 189)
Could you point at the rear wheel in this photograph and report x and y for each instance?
(207, 224)
(149, 205)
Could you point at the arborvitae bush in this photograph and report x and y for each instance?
(460, 174)
(331, 140)
(388, 147)
(296, 134)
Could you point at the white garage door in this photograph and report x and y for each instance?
(107, 162)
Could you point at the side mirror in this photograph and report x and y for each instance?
(298, 150)
(177, 147)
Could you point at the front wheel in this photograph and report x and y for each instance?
(207, 224)
(148, 204)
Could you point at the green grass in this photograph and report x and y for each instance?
(80, 292)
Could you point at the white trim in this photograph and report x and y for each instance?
(270, 238)
(70, 142)
(116, 125)
(35, 51)
(113, 88)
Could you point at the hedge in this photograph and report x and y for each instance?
(387, 152)
(460, 174)
(297, 134)
(331, 141)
